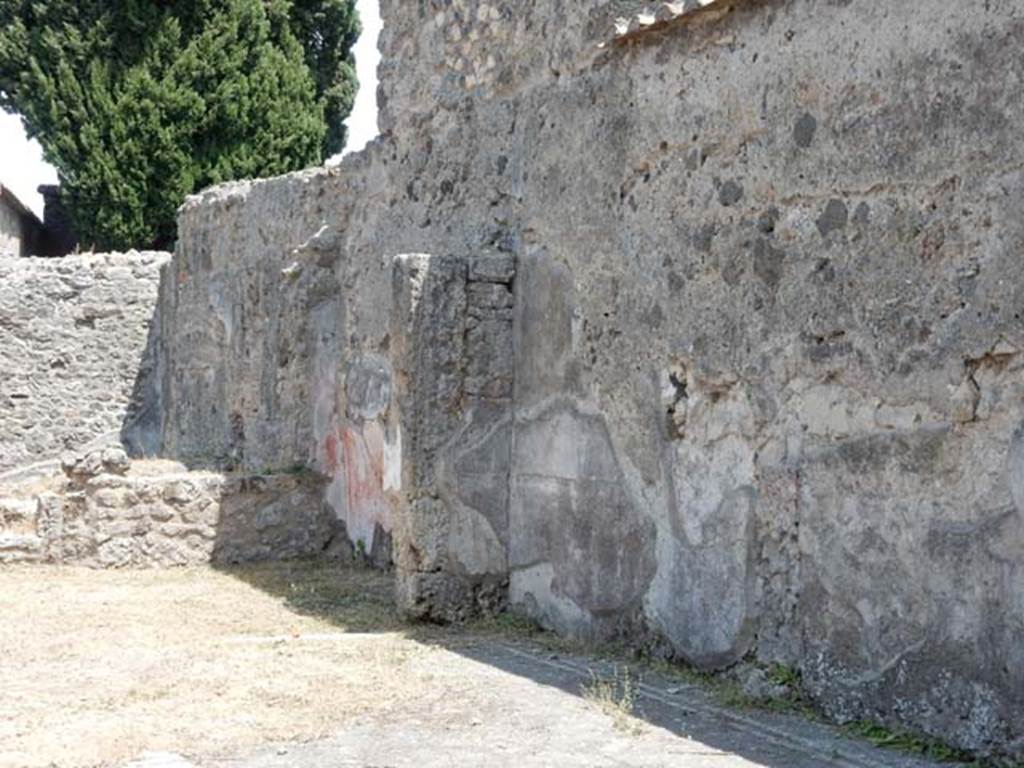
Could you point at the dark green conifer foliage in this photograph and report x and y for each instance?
(327, 30)
(141, 102)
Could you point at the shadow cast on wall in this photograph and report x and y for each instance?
(143, 420)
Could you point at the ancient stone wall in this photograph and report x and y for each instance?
(76, 348)
(107, 512)
(276, 340)
(451, 347)
(766, 345)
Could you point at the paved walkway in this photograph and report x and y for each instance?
(523, 707)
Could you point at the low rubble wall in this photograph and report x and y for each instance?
(108, 512)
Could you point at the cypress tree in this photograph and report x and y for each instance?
(139, 103)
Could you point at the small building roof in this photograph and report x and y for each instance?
(11, 200)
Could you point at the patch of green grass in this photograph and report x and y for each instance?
(507, 625)
(353, 598)
(680, 672)
(790, 677)
(912, 743)
(359, 599)
(729, 693)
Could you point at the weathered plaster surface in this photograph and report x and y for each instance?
(452, 346)
(761, 392)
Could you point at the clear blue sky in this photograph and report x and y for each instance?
(21, 162)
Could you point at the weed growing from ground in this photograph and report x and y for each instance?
(615, 696)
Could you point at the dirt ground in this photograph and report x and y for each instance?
(296, 665)
(96, 667)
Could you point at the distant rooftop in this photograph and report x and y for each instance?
(11, 201)
(24, 234)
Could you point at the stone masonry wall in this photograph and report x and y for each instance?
(276, 338)
(107, 512)
(451, 347)
(74, 354)
(766, 353)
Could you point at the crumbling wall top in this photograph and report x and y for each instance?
(652, 18)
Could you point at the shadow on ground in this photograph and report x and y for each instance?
(357, 600)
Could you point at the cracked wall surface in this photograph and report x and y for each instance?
(452, 346)
(753, 386)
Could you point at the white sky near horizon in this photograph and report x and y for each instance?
(22, 167)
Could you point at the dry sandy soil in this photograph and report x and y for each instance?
(98, 666)
(308, 665)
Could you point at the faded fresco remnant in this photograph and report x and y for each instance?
(701, 330)
(696, 327)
